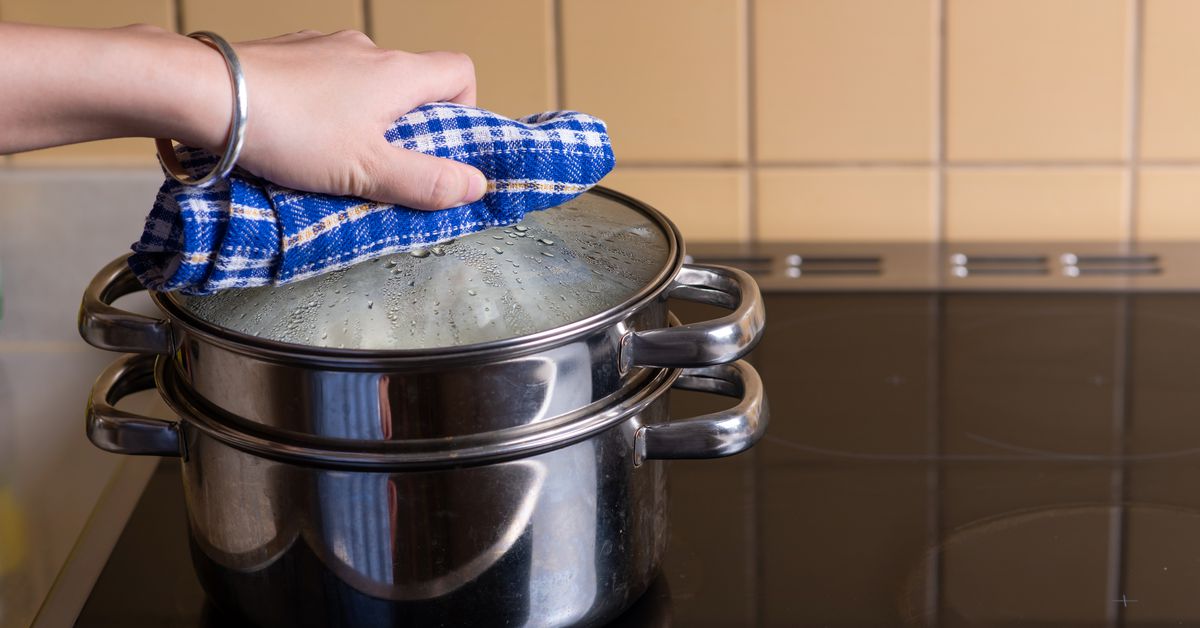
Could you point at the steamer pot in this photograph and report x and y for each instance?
(505, 328)
(555, 524)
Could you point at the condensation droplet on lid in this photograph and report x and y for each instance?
(497, 249)
(471, 292)
(547, 254)
(419, 253)
(438, 251)
(521, 228)
(370, 304)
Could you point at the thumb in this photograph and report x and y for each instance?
(420, 181)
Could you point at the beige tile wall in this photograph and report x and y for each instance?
(809, 119)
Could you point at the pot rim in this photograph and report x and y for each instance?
(416, 454)
(438, 357)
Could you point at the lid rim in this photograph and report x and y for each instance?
(287, 352)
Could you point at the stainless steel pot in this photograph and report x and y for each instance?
(556, 524)
(456, 390)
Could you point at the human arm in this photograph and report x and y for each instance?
(318, 104)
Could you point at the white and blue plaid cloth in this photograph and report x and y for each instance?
(244, 231)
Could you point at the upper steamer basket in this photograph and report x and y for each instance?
(502, 328)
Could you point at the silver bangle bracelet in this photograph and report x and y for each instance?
(237, 126)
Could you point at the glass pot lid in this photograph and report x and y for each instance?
(555, 267)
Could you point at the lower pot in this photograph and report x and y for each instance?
(562, 526)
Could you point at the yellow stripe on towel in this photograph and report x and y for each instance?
(330, 222)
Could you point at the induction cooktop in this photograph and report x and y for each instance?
(984, 435)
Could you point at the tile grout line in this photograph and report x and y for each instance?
(1135, 125)
(754, 567)
(368, 19)
(939, 193)
(935, 577)
(560, 82)
(750, 83)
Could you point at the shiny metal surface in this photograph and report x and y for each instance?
(568, 536)
(360, 394)
(710, 436)
(715, 435)
(701, 344)
(401, 395)
(237, 123)
(123, 432)
(413, 401)
(106, 327)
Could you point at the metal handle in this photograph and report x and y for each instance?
(123, 432)
(713, 435)
(106, 327)
(702, 344)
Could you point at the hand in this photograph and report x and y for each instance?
(319, 105)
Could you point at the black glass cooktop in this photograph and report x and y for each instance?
(933, 459)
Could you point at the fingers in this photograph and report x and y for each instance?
(420, 181)
(447, 77)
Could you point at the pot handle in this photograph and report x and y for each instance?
(123, 432)
(702, 344)
(106, 327)
(713, 435)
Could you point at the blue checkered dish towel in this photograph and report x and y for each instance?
(243, 231)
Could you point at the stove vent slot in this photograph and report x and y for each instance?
(824, 265)
(965, 265)
(1077, 265)
(755, 265)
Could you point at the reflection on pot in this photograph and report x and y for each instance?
(529, 390)
(251, 531)
(404, 537)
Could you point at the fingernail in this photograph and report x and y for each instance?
(475, 187)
